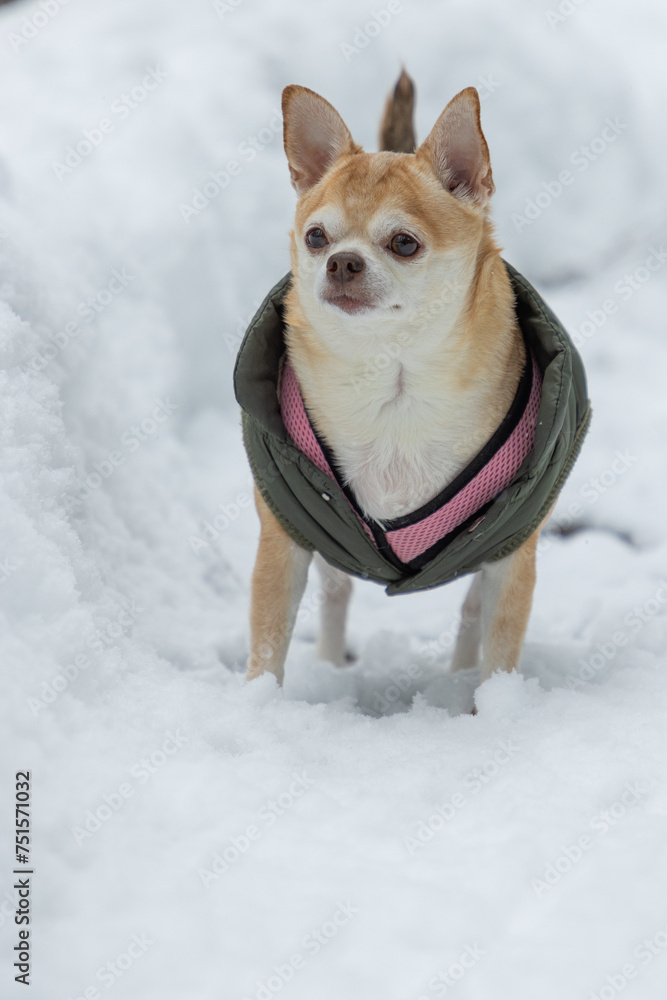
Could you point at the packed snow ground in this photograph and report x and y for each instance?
(357, 834)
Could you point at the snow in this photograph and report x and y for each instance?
(196, 836)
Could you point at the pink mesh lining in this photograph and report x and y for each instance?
(296, 420)
(499, 471)
(299, 428)
(412, 541)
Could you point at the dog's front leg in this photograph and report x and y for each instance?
(506, 597)
(278, 582)
(466, 653)
(336, 590)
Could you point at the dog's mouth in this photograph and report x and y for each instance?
(349, 303)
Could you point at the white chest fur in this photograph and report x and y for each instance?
(400, 434)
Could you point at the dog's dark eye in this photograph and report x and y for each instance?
(316, 238)
(404, 245)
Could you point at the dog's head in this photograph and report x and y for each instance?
(379, 236)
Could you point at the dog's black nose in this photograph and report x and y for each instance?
(345, 266)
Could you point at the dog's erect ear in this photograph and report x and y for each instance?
(457, 151)
(314, 135)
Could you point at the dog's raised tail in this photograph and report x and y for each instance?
(397, 131)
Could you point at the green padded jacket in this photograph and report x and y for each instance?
(313, 509)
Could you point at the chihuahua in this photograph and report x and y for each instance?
(376, 238)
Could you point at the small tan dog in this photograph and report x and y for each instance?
(376, 238)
